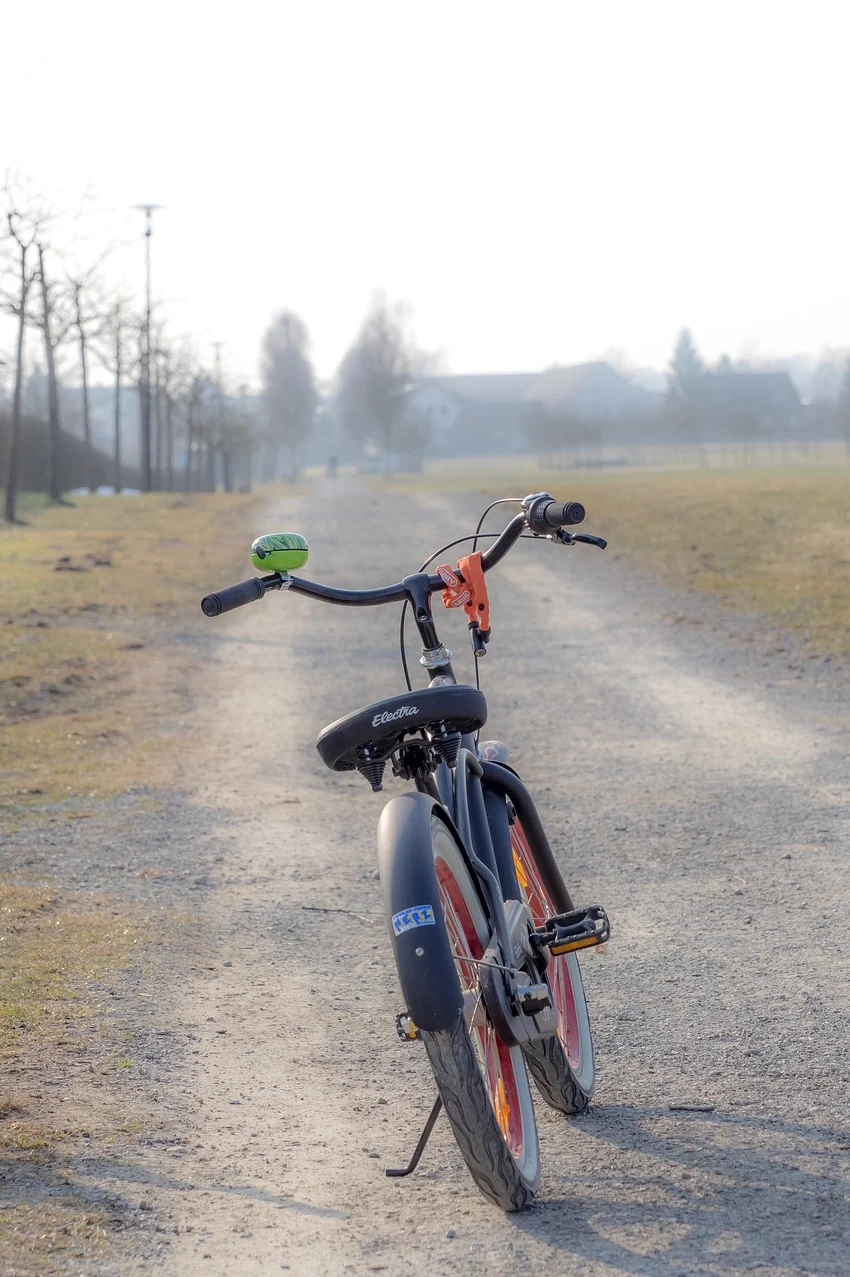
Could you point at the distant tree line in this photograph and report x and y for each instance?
(737, 409)
(368, 400)
(68, 322)
(52, 285)
(206, 432)
(694, 389)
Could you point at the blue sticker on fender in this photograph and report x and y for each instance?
(417, 916)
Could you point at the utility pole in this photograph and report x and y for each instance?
(145, 386)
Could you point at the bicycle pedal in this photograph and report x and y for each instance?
(578, 929)
(405, 1028)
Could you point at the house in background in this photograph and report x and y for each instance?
(473, 414)
(592, 392)
(492, 412)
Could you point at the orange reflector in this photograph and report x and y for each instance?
(556, 949)
(500, 1105)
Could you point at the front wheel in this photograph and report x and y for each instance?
(482, 1081)
(562, 1066)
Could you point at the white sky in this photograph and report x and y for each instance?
(540, 180)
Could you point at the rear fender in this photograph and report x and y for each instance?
(423, 957)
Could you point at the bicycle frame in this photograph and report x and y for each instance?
(462, 797)
(459, 790)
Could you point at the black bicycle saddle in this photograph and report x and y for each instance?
(379, 727)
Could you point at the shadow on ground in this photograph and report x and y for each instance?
(722, 1191)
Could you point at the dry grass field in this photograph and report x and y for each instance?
(770, 540)
(92, 680)
(88, 591)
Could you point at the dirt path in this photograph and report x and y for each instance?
(696, 787)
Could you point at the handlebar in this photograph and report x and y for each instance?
(541, 515)
(545, 515)
(234, 596)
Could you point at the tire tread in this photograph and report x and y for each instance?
(553, 1077)
(472, 1119)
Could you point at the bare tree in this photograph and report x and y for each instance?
(290, 397)
(174, 367)
(87, 312)
(207, 423)
(203, 412)
(114, 350)
(22, 230)
(217, 435)
(177, 377)
(230, 436)
(55, 319)
(194, 443)
(80, 322)
(375, 373)
(228, 427)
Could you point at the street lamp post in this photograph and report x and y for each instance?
(147, 476)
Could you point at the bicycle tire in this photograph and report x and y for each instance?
(483, 1082)
(562, 1066)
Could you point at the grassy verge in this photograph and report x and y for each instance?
(772, 540)
(99, 619)
(52, 946)
(89, 593)
(60, 1053)
(36, 1239)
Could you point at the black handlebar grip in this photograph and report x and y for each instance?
(563, 516)
(233, 596)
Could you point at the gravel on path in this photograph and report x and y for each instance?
(689, 780)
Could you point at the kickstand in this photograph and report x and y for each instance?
(420, 1147)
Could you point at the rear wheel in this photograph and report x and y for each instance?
(482, 1081)
(562, 1065)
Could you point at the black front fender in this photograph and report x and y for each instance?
(423, 957)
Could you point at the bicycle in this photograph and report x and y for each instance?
(483, 928)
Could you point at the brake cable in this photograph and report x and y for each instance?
(474, 537)
(492, 506)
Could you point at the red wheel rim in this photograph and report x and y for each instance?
(497, 1064)
(541, 907)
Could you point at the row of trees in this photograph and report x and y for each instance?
(371, 404)
(819, 379)
(368, 400)
(53, 285)
(828, 380)
(689, 378)
(709, 404)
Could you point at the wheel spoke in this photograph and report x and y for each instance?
(541, 907)
(497, 1066)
